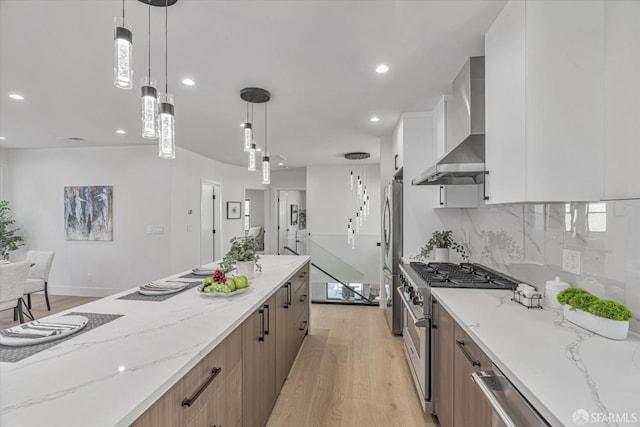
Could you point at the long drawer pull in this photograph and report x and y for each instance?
(266, 330)
(303, 297)
(188, 401)
(261, 337)
(304, 326)
(466, 354)
(289, 294)
(287, 286)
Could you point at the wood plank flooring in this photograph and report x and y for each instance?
(58, 303)
(349, 372)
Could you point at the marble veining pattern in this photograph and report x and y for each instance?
(110, 375)
(556, 365)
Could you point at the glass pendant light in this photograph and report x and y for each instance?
(123, 55)
(252, 158)
(248, 131)
(349, 234)
(266, 165)
(149, 99)
(166, 116)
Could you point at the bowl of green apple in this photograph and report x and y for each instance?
(221, 285)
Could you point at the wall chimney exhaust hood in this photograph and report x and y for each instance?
(464, 163)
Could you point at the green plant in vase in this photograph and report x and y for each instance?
(442, 240)
(243, 249)
(9, 240)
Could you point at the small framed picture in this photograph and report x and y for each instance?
(233, 210)
(294, 214)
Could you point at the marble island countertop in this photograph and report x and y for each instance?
(112, 374)
(559, 367)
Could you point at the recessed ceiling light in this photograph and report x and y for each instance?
(121, 131)
(280, 164)
(16, 96)
(2, 138)
(374, 119)
(382, 68)
(188, 82)
(258, 149)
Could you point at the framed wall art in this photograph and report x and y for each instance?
(88, 212)
(294, 214)
(234, 210)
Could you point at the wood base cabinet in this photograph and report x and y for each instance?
(210, 394)
(458, 402)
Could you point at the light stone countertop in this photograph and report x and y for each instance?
(110, 375)
(559, 367)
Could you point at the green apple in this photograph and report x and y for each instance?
(209, 289)
(231, 284)
(241, 282)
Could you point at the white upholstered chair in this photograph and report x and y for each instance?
(13, 278)
(39, 274)
(258, 233)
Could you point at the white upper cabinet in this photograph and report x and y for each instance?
(544, 67)
(450, 196)
(622, 99)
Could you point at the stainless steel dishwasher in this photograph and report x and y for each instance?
(510, 408)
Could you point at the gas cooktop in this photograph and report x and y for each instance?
(464, 275)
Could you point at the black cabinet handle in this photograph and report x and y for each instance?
(188, 401)
(441, 191)
(289, 294)
(434, 326)
(286, 303)
(303, 297)
(304, 325)
(261, 337)
(467, 355)
(266, 330)
(301, 276)
(484, 185)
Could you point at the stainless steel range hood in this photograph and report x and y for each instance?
(464, 163)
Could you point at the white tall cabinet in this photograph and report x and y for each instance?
(622, 99)
(544, 66)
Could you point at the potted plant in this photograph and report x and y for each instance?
(243, 254)
(604, 317)
(442, 242)
(9, 240)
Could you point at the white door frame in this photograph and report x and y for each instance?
(217, 216)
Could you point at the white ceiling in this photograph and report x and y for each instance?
(317, 58)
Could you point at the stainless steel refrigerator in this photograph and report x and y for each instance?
(392, 251)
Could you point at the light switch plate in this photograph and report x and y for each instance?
(571, 261)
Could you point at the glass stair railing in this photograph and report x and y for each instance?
(333, 279)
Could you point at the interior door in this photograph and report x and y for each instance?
(283, 222)
(208, 222)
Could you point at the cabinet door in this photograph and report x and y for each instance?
(505, 105)
(253, 383)
(622, 110)
(443, 374)
(471, 408)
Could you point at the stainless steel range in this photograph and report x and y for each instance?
(417, 279)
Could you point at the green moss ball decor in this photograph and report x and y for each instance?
(566, 295)
(609, 309)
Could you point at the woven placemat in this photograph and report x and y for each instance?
(15, 354)
(137, 296)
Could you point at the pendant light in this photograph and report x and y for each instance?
(254, 95)
(166, 117)
(123, 55)
(252, 158)
(149, 98)
(266, 165)
(248, 131)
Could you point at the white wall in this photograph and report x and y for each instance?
(146, 191)
(330, 204)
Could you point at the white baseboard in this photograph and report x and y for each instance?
(83, 291)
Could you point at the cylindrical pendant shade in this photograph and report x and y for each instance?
(252, 158)
(123, 58)
(266, 170)
(248, 136)
(166, 127)
(149, 109)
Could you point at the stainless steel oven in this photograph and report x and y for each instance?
(416, 333)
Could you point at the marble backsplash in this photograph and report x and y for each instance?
(527, 243)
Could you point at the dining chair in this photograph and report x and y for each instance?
(39, 274)
(13, 278)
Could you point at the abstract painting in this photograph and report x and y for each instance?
(88, 212)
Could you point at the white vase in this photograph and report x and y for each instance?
(246, 268)
(608, 328)
(442, 254)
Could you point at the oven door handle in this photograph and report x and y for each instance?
(422, 322)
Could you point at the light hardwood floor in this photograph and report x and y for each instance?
(350, 372)
(58, 303)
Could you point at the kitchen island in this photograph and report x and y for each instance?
(111, 375)
(558, 367)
